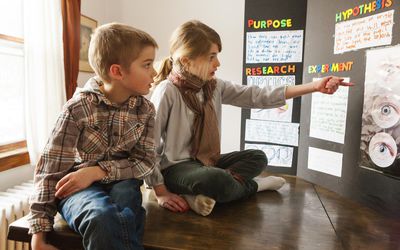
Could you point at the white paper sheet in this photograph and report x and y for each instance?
(273, 132)
(281, 114)
(274, 46)
(284, 113)
(278, 156)
(328, 114)
(325, 161)
(364, 32)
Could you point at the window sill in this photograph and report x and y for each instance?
(14, 157)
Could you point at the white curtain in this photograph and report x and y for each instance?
(45, 82)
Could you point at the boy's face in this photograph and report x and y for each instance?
(139, 78)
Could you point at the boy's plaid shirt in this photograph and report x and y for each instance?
(91, 131)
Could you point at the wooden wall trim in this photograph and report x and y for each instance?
(13, 155)
(12, 38)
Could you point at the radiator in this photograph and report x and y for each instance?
(13, 205)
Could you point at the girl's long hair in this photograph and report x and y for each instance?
(191, 39)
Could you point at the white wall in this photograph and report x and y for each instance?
(103, 11)
(160, 17)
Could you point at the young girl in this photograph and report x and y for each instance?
(190, 170)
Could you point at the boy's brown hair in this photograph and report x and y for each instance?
(116, 43)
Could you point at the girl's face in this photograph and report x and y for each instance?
(205, 66)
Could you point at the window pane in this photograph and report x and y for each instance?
(12, 126)
(11, 18)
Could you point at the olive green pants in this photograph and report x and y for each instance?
(231, 178)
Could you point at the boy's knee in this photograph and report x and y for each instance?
(126, 192)
(95, 220)
(102, 227)
(98, 217)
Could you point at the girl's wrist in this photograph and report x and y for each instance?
(160, 190)
(315, 86)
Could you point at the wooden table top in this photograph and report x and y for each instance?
(300, 215)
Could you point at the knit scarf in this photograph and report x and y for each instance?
(205, 133)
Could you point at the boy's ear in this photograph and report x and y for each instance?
(115, 71)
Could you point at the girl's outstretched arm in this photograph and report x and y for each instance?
(326, 85)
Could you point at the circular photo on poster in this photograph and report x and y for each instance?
(382, 149)
(386, 111)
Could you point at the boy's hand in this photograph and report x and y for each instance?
(170, 201)
(38, 242)
(78, 180)
(329, 84)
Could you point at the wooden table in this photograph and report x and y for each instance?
(300, 216)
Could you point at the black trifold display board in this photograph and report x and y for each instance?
(351, 39)
(273, 18)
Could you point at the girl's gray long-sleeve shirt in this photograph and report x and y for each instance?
(174, 119)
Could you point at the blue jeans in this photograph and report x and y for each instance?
(108, 216)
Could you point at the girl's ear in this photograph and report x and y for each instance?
(185, 61)
(115, 72)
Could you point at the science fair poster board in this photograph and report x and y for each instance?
(349, 143)
(273, 57)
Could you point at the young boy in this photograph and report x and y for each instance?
(101, 148)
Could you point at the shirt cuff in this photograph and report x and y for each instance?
(40, 225)
(155, 178)
(110, 172)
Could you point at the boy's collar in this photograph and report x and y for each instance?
(132, 101)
